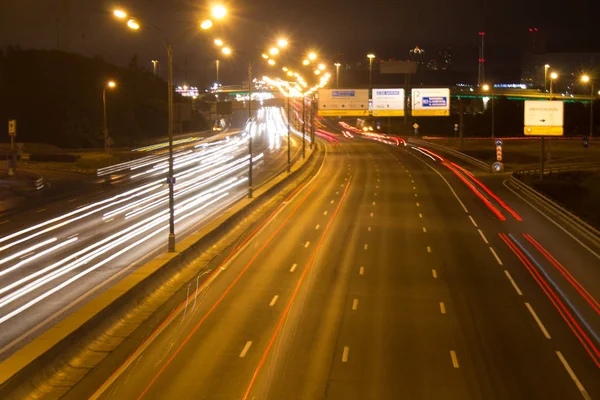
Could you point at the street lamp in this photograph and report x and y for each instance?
(337, 75)
(219, 42)
(109, 85)
(134, 25)
(587, 79)
(370, 57)
(155, 63)
(282, 43)
(490, 88)
(312, 56)
(305, 62)
(273, 51)
(271, 61)
(219, 11)
(553, 77)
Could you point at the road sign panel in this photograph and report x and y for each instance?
(586, 142)
(416, 126)
(498, 167)
(388, 102)
(431, 102)
(498, 142)
(347, 102)
(12, 127)
(543, 118)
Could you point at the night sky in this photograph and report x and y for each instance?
(388, 28)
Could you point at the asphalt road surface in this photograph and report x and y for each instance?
(384, 277)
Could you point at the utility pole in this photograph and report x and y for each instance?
(249, 131)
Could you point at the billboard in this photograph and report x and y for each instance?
(543, 118)
(430, 102)
(397, 67)
(388, 102)
(344, 102)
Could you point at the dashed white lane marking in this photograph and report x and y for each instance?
(369, 229)
(580, 387)
(473, 221)
(412, 181)
(378, 180)
(454, 359)
(496, 256)
(366, 246)
(361, 271)
(41, 210)
(345, 354)
(307, 244)
(272, 303)
(375, 195)
(355, 304)
(337, 192)
(513, 283)
(325, 213)
(106, 221)
(442, 307)
(317, 227)
(420, 215)
(245, 349)
(428, 249)
(424, 230)
(418, 205)
(434, 273)
(293, 267)
(71, 200)
(376, 187)
(537, 319)
(416, 195)
(483, 236)
(371, 214)
(5, 222)
(331, 202)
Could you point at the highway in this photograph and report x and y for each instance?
(54, 258)
(390, 274)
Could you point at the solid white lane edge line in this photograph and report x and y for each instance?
(442, 307)
(345, 354)
(293, 267)
(454, 359)
(273, 301)
(483, 236)
(434, 273)
(245, 349)
(513, 283)
(41, 210)
(580, 387)
(537, 319)
(496, 256)
(307, 244)
(355, 304)
(473, 221)
(362, 271)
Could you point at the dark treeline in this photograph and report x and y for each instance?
(56, 97)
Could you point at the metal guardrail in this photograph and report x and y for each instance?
(471, 160)
(555, 210)
(575, 165)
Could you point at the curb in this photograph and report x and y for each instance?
(52, 364)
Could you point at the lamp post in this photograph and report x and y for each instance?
(490, 88)
(370, 57)
(553, 76)
(108, 85)
(586, 79)
(337, 75)
(155, 65)
(218, 12)
(546, 77)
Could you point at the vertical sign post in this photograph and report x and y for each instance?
(12, 132)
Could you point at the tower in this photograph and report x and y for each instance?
(481, 71)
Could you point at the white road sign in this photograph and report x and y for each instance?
(544, 118)
(344, 102)
(388, 102)
(430, 102)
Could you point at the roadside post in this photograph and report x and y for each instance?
(12, 133)
(498, 166)
(585, 145)
(416, 128)
(543, 118)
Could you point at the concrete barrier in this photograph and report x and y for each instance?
(52, 364)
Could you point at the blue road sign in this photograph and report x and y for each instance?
(430, 101)
(497, 166)
(498, 142)
(585, 142)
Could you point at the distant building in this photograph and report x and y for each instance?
(417, 55)
(568, 65)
